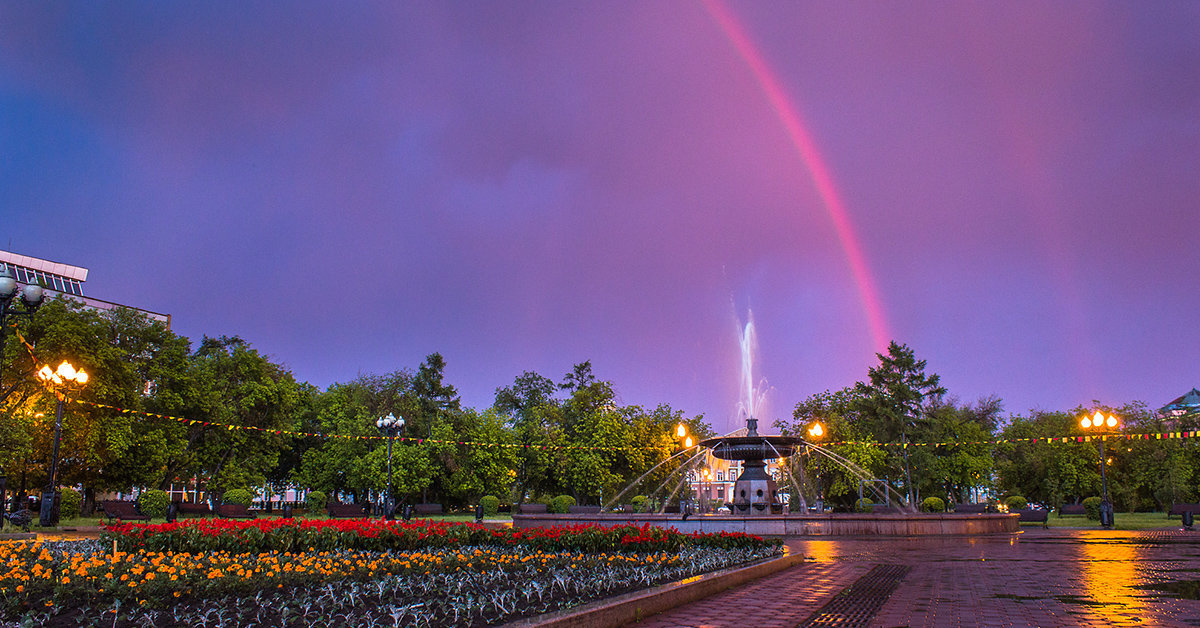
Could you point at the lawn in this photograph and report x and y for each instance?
(1122, 521)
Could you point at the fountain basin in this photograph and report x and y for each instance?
(830, 524)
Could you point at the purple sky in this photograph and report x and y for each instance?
(523, 186)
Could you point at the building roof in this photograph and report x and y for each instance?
(1189, 402)
(78, 273)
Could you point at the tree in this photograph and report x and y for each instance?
(103, 448)
(894, 403)
(1046, 472)
(534, 417)
(844, 462)
(254, 398)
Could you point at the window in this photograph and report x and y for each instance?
(720, 476)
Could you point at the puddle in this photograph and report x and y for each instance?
(1182, 589)
(1020, 598)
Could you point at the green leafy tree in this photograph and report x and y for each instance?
(254, 398)
(895, 401)
(848, 462)
(1043, 472)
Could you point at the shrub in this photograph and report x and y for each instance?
(863, 505)
(490, 504)
(639, 503)
(153, 503)
(933, 504)
(1015, 503)
(315, 501)
(1091, 506)
(69, 503)
(239, 496)
(560, 504)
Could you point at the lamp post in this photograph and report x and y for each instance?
(1099, 422)
(682, 434)
(63, 380)
(31, 300)
(390, 425)
(815, 432)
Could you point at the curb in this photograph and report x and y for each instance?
(638, 605)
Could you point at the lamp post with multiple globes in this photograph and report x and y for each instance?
(62, 381)
(390, 426)
(1100, 423)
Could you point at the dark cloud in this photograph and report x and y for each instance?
(525, 187)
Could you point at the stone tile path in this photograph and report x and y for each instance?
(1038, 578)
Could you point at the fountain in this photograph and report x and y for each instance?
(754, 492)
(755, 505)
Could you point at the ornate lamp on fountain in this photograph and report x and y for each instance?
(1100, 423)
(64, 380)
(815, 432)
(754, 491)
(390, 425)
(686, 440)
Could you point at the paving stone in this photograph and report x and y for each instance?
(1039, 578)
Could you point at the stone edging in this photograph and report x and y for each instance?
(638, 605)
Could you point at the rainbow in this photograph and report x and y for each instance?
(802, 140)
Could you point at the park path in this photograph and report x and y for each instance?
(1038, 578)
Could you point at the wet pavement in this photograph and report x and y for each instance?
(1039, 577)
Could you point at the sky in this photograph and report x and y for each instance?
(1010, 189)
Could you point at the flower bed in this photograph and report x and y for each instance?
(85, 583)
(288, 535)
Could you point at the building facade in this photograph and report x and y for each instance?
(59, 279)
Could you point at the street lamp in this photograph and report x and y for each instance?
(31, 299)
(815, 432)
(390, 425)
(63, 380)
(1100, 423)
(682, 434)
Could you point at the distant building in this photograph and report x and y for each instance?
(63, 279)
(1189, 403)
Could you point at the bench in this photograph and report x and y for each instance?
(1071, 509)
(1035, 515)
(971, 508)
(427, 509)
(583, 510)
(193, 509)
(338, 510)
(122, 511)
(532, 509)
(234, 511)
(1177, 510)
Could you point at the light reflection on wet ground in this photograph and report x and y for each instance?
(1037, 578)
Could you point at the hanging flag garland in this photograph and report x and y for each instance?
(422, 441)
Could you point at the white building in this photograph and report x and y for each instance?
(63, 279)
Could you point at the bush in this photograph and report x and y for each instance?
(863, 505)
(639, 503)
(153, 503)
(69, 503)
(239, 496)
(561, 504)
(1091, 505)
(933, 504)
(490, 504)
(1015, 503)
(315, 501)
